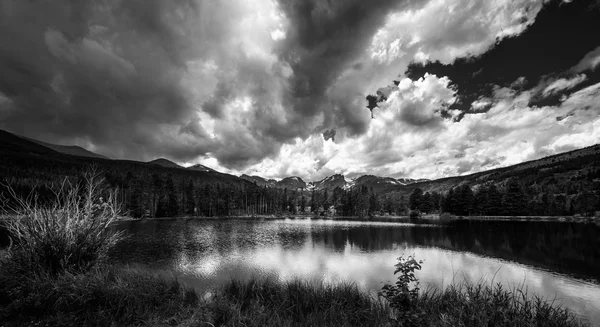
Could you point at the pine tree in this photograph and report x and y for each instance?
(465, 200)
(190, 203)
(172, 208)
(493, 204)
(303, 204)
(416, 198)
(448, 202)
(514, 201)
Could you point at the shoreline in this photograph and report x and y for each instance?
(129, 295)
(425, 219)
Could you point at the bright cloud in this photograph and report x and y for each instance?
(562, 84)
(252, 86)
(448, 29)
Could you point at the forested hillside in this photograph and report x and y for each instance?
(565, 184)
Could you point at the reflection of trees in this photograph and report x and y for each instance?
(145, 242)
(564, 247)
(570, 248)
(4, 239)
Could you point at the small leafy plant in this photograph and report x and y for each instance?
(403, 295)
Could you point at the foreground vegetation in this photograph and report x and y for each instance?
(55, 274)
(133, 296)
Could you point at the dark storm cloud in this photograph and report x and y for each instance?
(103, 73)
(324, 39)
(562, 34)
(329, 135)
(299, 95)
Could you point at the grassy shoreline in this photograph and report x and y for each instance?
(425, 218)
(127, 296)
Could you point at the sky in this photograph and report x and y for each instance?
(278, 88)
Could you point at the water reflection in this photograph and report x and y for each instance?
(552, 259)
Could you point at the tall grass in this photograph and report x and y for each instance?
(101, 296)
(482, 304)
(139, 297)
(469, 304)
(296, 303)
(69, 235)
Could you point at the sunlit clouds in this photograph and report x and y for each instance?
(277, 88)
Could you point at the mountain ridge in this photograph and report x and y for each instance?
(165, 163)
(73, 150)
(15, 144)
(22, 156)
(199, 167)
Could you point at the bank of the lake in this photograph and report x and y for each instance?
(127, 296)
(429, 218)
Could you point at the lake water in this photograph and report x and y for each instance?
(557, 260)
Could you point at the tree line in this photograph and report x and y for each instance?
(511, 199)
(562, 188)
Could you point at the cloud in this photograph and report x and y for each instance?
(508, 133)
(562, 84)
(419, 103)
(258, 86)
(108, 74)
(535, 53)
(589, 62)
(329, 135)
(325, 40)
(446, 30)
(480, 105)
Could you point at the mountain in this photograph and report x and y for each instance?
(17, 143)
(259, 180)
(24, 158)
(199, 167)
(407, 181)
(329, 183)
(557, 170)
(382, 184)
(378, 184)
(164, 163)
(73, 150)
(11, 144)
(291, 183)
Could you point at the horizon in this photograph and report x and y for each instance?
(346, 177)
(277, 89)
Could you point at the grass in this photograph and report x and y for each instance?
(297, 303)
(127, 296)
(491, 305)
(97, 297)
(55, 274)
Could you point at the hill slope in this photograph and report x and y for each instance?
(291, 183)
(25, 158)
(11, 144)
(199, 167)
(555, 169)
(259, 180)
(164, 163)
(73, 150)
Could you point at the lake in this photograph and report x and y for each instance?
(557, 260)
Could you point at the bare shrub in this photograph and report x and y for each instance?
(70, 235)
